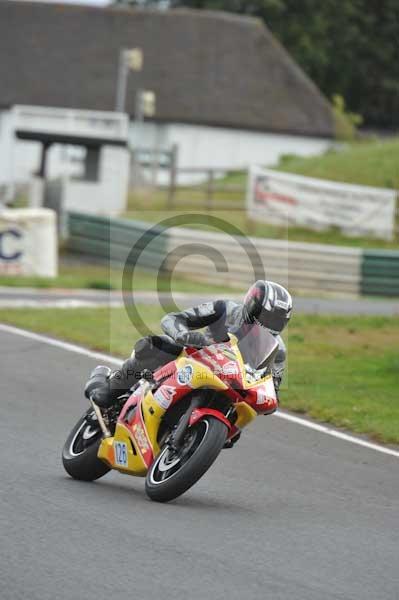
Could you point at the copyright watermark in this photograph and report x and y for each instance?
(172, 264)
(212, 254)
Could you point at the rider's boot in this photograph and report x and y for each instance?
(105, 386)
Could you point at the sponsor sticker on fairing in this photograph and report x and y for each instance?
(266, 394)
(185, 375)
(209, 362)
(260, 396)
(228, 353)
(141, 438)
(230, 368)
(164, 396)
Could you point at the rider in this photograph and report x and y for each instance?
(266, 304)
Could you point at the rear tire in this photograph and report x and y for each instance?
(172, 474)
(79, 455)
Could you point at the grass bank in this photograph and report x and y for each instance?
(342, 370)
(94, 276)
(373, 163)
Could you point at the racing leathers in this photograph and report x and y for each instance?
(181, 329)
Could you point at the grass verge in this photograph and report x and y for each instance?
(95, 276)
(371, 163)
(342, 370)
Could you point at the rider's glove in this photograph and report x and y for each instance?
(102, 396)
(98, 378)
(195, 339)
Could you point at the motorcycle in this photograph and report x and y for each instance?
(172, 426)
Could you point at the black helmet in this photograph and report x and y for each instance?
(268, 304)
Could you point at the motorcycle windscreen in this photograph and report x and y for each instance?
(257, 345)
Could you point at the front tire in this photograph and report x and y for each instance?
(173, 473)
(79, 455)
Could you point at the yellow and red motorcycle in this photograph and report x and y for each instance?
(171, 428)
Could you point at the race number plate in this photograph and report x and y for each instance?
(120, 451)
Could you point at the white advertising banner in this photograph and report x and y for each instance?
(286, 199)
(28, 242)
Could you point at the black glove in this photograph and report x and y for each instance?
(98, 378)
(195, 339)
(102, 396)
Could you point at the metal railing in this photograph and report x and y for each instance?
(158, 169)
(303, 267)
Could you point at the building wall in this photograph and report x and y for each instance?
(19, 159)
(15, 166)
(199, 146)
(217, 146)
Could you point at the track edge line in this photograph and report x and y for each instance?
(39, 337)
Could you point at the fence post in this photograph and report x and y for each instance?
(136, 178)
(209, 191)
(154, 167)
(173, 176)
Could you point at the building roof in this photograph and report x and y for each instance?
(205, 67)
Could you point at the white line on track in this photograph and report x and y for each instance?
(44, 339)
(116, 361)
(61, 303)
(337, 434)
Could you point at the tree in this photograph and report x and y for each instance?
(350, 48)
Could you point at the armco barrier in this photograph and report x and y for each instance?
(112, 240)
(380, 273)
(302, 267)
(309, 268)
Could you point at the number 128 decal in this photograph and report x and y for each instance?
(120, 450)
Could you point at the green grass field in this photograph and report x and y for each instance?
(341, 370)
(95, 276)
(374, 163)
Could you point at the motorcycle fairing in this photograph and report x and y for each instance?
(138, 424)
(131, 430)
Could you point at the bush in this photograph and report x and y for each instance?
(346, 123)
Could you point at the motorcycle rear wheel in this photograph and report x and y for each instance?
(173, 473)
(79, 455)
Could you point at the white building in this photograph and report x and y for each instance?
(227, 93)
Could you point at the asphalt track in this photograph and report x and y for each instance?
(288, 514)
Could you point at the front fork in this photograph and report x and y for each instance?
(193, 414)
(100, 419)
(177, 436)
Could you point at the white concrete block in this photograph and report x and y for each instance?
(28, 242)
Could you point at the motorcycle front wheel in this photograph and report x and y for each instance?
(173, 472)
(79, 455)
